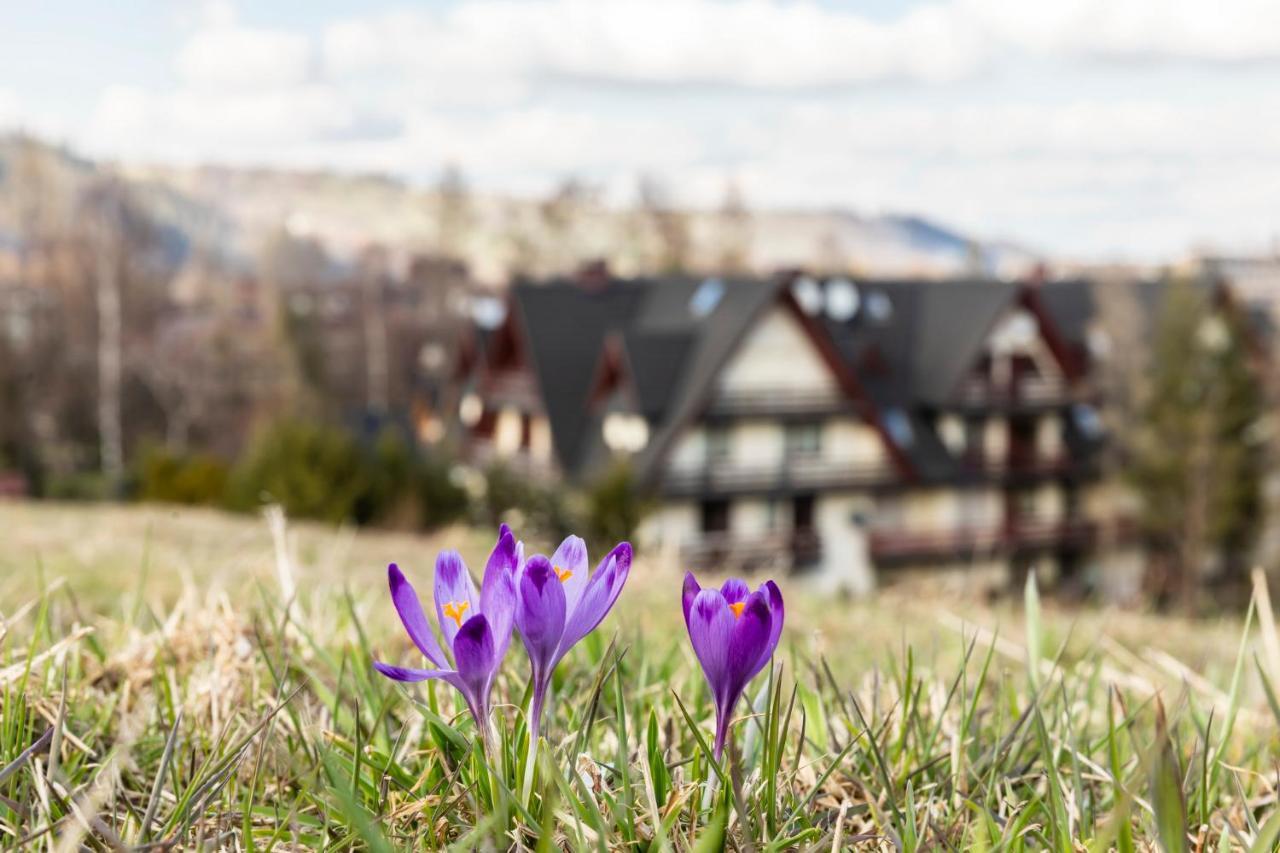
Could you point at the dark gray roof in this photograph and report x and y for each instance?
(657, 361)
(918, 352)
(954, 320)
(564, 327)
(714, 338)
(673, 354)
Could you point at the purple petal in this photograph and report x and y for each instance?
(570, 564)
(735, 590)
(455, 594)
(688, 594)
(777, 612)
(540, 613)
(711, 627)
(473, 649)
(749, 642)
(598, 598)
(498, 591)
(400, 673)
(415, 622)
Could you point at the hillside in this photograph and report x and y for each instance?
(232, 210)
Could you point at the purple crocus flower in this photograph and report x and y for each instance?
(734, 632)
(558, 604)
(476, 628)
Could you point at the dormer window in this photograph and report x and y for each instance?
(898, 425)
(624, 432)
(706, 297)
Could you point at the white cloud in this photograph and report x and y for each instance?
(228, 56)
(757, 43)
(1222, 31)
(800, 102)
(10, 110)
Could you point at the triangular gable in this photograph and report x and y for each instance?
(614, 376)
(699, 393)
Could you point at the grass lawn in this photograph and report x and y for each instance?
(174, 677)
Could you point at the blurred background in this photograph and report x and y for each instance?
(936, 293)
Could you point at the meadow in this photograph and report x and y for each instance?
(181, 679)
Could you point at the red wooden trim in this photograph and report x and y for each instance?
(1068, 361)
(848, 380)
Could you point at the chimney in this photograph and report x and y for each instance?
(1039, 274)
(594, 275)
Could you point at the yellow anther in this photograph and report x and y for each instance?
(737, 608)
(454, 611)
(563, 574)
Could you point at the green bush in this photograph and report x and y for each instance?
(311, 470)
(79, 486)
(440, 499)
(322, 472)
(615, 505)
(167, 477)
(543, 511)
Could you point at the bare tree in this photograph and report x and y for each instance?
(670, 225)
(454, 213)
(106, 242)
(560, 215)
(735, 231)
(372, 273)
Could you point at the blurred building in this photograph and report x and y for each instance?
(851, 427)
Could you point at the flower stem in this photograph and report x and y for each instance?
(722, 734)
(535, 710)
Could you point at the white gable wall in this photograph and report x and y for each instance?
(776, 356)
(1018, 333)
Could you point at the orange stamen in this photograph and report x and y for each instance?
(563, 574)
(737, 608)
(454, 611)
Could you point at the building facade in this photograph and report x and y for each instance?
(846, 428)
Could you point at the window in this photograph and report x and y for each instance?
(899, 427)
(802, 513)
(808, 294)
(719, 445)
(804, 439)
(1087, 420)
(715, 516)
(879, 307)
(974, 438)
(706, 297)
(842, 300)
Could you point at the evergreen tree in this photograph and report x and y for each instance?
(1196, 454)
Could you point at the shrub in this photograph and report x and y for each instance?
(322, 472)
(311, 470)
(440, 499)
(615, 506)
(509, 496)
(168, 477)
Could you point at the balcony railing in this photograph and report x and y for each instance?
(1030, 535)
(795, 473)
(512, 388)
(779, 401)
(1026, 392)
(725, 551)
(1024, 468)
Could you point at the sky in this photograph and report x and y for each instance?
(1088, 129)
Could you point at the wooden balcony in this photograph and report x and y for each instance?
(1027, 394)
(726, 551)
(1027, 468)
(1028, 536)
(779, 403)
(783, 477)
